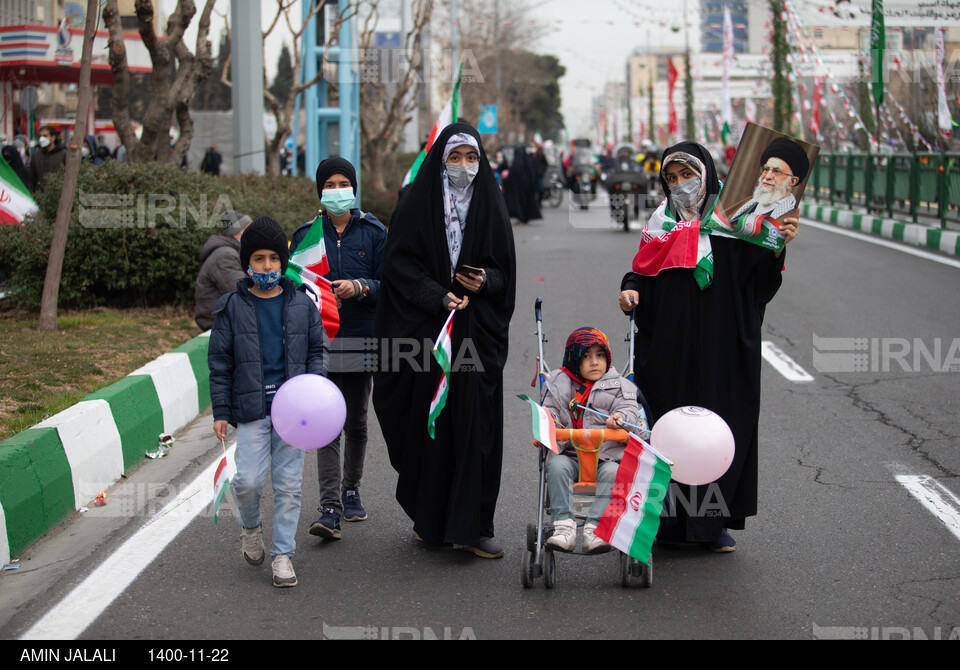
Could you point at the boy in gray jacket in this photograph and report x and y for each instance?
(586, 378)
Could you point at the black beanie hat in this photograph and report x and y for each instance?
(790, 153)
(264, 233)
(335, 165)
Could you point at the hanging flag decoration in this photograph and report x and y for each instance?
(878, 42)
(727, 109)
(671, 84)
(944, 120)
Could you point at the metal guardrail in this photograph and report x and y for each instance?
(915, 185)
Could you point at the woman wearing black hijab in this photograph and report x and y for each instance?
(700, 303)
(12, 155)
(520, 187)
(453, 215)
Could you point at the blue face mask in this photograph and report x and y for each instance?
(337, 201)
(265, 281)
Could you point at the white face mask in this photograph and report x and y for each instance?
(685, 193)
(84, 152)
(44, 141)
(462, 176)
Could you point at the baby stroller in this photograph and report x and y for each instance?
(539, 559)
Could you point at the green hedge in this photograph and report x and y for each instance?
(136, 231)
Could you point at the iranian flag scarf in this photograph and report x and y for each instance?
(667, 243)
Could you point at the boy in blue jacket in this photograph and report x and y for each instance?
(263, 333)
(354, 244)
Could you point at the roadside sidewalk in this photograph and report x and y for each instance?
(57, 467)
(930, 237)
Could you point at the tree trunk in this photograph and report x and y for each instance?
(176, 75)
(51, 282)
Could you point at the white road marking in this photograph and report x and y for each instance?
(938, 499)
(81, 607)
(883, 242)
(783, 363)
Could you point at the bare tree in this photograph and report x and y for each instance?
(177, 72)
(494, 33)
(389, 83)
(284, 109)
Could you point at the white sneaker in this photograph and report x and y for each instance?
(251, 545)
(283, 574)
(564, 536)
(593, 544)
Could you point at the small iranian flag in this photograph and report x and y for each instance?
(443, 352)
(221, 484)
(15, 200)
(544, 429)
(307, 265)
(632, 518)
(447, 116)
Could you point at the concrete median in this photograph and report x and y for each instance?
(60, 465)
(930, 237)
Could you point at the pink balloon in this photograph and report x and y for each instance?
(698, 441)
(308, 411)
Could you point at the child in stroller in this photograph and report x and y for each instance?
(588, 379)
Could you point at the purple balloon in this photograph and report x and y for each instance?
(308, 411)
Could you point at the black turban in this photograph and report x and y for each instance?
(790, 153)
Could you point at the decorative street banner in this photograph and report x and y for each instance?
(878, 41)
(488, 119)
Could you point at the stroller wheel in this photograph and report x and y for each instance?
(549, 570)
(531, 538)
(632, 570)
(527, 567)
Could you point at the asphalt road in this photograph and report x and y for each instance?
(840, 548)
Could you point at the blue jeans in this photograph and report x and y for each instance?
(259, 448)
(561, 476)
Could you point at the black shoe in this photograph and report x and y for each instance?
(328, 525)
(485, 547)
(724, 543)
(352, 507)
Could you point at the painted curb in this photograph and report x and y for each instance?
(917, 234)
(62, 463)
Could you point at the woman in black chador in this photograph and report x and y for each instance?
(453, 216)
(520, 187)
(698, 339)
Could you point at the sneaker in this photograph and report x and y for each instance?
(251, 545)
(328, 525)
(283, 574)
(724, 543)
(593, 544)
(564, 536)
(485, 547)
(352, 508)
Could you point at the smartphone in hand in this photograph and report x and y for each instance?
(468, 270)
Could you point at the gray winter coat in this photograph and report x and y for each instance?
(219, 271)
(609, 394)
(235, 359)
